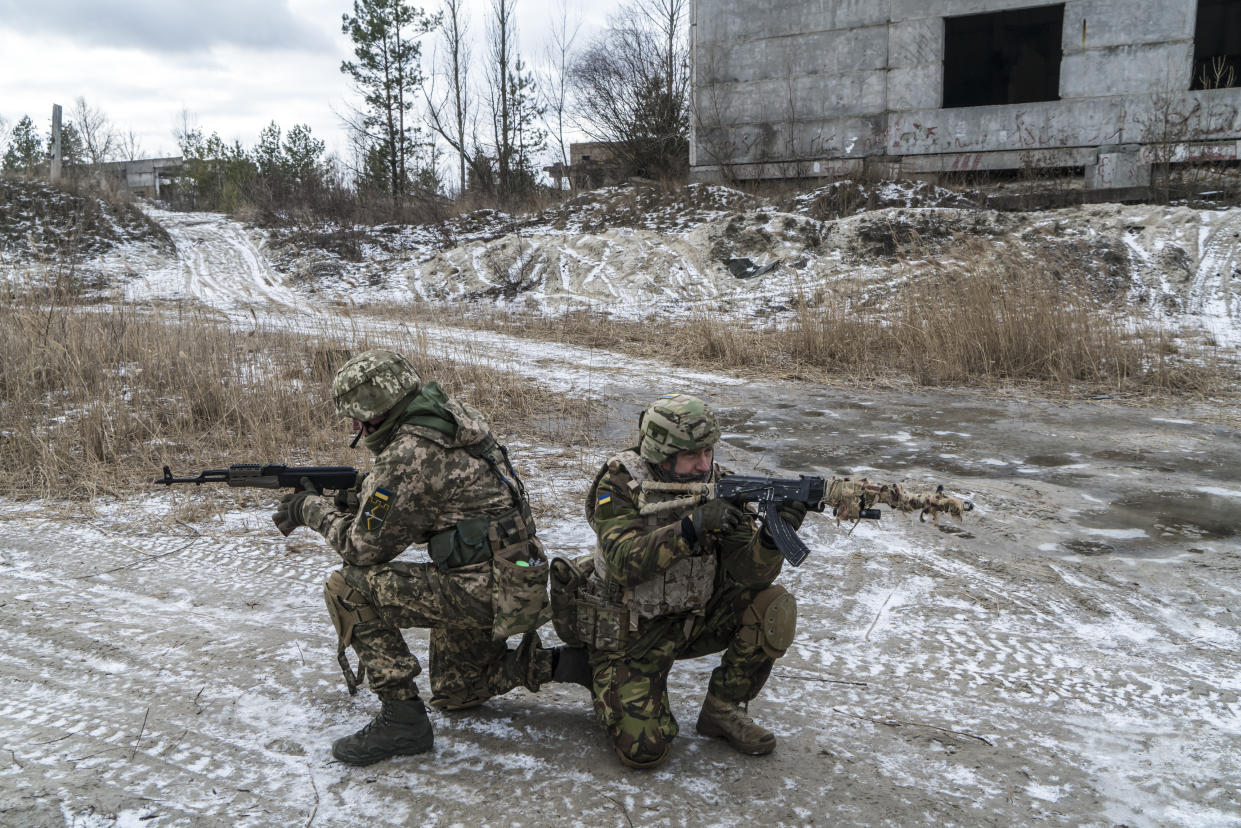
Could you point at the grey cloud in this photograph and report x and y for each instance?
(170, 25)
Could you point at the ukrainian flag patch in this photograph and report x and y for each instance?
(376, 510)
(606, 497)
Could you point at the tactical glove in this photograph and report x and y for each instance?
(714, 517)
(346, 500)
(792, 512)
(288, 514)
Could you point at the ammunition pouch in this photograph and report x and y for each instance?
(347, 608)
(602, 625)
(567, 578)
(464, 544)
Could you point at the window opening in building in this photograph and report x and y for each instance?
(1006, 57)
(1217, 45)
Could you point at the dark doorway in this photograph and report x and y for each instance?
(1217, 45)
(1003, 58)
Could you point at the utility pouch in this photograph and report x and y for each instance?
(605, 626)
(464, 544)
(519, 590)
(567, 578)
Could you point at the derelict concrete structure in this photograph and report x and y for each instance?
(914, 88)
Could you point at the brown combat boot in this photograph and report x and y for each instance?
(730, 721)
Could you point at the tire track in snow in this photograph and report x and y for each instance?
(219, 264)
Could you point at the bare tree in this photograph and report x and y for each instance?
(631, 87)
(99, 138)
(129, 147)
(449, 117)
(513, 106)
(554, 81)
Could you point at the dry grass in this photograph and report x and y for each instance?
(990, 316)
(94, 400)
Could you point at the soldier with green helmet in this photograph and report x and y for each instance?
(439, 478)
(670, 580)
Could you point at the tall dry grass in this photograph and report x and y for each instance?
(987, 315)
(94, 400)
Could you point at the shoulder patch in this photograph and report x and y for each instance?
(376, 510)
(606, 497)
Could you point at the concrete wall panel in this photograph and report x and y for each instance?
(915, 9)
(852, 13)
(1125, 22)
(916, 43)
(1127, 70)
(728, 20)
(1021, 127)
(917, 88)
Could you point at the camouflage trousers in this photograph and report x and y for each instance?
(631, 685)
(467, 664)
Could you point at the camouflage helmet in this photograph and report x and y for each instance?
(371, 383)
(674, 423)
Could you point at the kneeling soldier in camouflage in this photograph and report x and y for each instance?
(673, 581)
(439, 478)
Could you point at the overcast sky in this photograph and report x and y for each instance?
(234, 65)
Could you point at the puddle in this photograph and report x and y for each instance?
(1085, 547)
(1047, 461)
(1180, 515)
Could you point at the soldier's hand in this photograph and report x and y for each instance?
(715, 517)
(347, 500)
(792, 512)
(288, 514)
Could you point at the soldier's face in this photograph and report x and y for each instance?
(368, 426)
(697, 461)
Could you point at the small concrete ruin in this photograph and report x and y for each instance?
(917, 88)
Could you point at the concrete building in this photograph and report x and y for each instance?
(144, 176)
(808, 88)
(591, 164)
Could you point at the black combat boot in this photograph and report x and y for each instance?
(400, 729)
(569, 664)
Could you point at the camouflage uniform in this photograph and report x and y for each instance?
(437, 469)
(702, 590)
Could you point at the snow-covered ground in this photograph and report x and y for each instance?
(1067, 655)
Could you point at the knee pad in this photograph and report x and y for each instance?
(770, 621)
(348, 608)
(642, 762)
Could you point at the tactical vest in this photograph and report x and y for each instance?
(509, 533)
(686, 585)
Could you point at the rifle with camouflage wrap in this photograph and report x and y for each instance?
(274, 476)
(849, 499)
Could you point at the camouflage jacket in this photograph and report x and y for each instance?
(635, 550)
(423, 482)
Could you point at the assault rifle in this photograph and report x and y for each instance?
(255, 476)
(849, 499)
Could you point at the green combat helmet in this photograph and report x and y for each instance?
(673, 423)
(371, 383)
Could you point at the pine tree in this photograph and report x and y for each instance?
(302, 154)
(72, 148)
(387, 73)
(25, 150)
